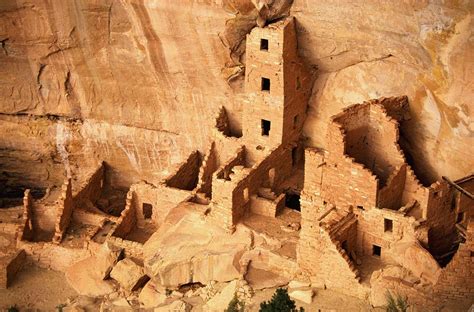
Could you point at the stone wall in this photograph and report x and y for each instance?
(9, 267)
(272, 60)
(209, 166)
(390, 196)
(161, 198)
(128, 218)
(267, 207)
(131, 249)
(326, 261)
(25, 230)
(456, 281)
(52, 256)
(65, 207)
(90, 187)
(223, 188)
(383, 228)
(187, 175)
(463, 202)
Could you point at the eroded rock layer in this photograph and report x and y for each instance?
(122, 68)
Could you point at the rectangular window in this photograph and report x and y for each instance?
(344, 246)
(246, 194)
(387, 225)
(265, 84)
(460, 217)
(292, 201)
(295, 121)
(294, 156)
(264, 44)
(376, 250)
(147, 210)
(266, 127)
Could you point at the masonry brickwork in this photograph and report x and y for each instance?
(364, 209)
(277, 86)
(366, 220)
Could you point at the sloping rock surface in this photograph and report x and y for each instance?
(194, 250)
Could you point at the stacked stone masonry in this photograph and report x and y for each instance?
(364, 213)
(363, 177)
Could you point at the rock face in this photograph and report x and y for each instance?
(106, 259)
(176, 306)
(221, 300)
(137, 82)
(129, 275)
(418, 260)
(380, 279)
(88, 276)
(82, 277)
(174, 257)
(305, 296)
(151, 296)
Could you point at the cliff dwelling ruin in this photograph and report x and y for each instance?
(141, 218)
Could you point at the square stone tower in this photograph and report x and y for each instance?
(275, 110)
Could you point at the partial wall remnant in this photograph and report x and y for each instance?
(128, 218)
(64, 211)
(91, 188)
(9, 267)
(25, 230)
(186, 177)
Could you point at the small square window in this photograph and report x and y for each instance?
(265, 84)
(264, 44)
(387, 225)
(376, 250)
(266, 127)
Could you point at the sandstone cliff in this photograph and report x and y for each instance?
(138, 82)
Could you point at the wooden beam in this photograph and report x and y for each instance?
(460, 189)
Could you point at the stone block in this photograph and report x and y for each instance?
(129, 275)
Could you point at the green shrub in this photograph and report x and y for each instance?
(280, 302)
(235, 305)
(398, 304)
(13, 309)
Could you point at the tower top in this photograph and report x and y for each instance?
(274, 43)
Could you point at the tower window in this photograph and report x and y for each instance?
(266, 127)
(294, 156)
(387, 225)
(295, 121)
(147, 210)
(376, 250)
(292, 201)
(264, 44)
(265, 84)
